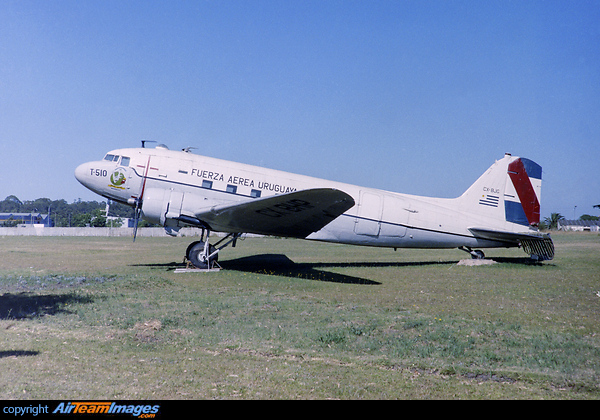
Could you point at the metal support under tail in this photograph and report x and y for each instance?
(540, 249)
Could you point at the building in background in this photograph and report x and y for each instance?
(579, 225)
(18, 219)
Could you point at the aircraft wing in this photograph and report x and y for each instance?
(296, 214)
(536, 244)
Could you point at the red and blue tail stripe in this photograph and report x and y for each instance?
(527, 211)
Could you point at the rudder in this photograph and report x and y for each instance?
(523, 192)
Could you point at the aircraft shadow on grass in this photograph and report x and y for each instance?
(18, 353)
(281, 265)
(25, 305)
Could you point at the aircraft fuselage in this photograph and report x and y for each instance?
(177, 183)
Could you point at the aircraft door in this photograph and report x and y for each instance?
(395, 217)
(370, 207)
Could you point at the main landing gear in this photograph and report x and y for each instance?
(203, 255)
(476, 254)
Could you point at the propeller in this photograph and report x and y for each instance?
(136, 217)
(139, 201)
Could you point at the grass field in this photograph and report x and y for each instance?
(103, 318)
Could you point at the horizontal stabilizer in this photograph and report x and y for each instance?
(296, 214)
(538, 245)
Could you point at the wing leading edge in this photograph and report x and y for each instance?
(296, 214)
(538, 245)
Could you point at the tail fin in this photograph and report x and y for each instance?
(508, 192)
(505, 201)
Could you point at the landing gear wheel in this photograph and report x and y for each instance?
(477, 254)
(195, 254)
(189, 248)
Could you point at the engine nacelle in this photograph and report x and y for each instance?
(161, 206)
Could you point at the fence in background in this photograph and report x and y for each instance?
(92, 231)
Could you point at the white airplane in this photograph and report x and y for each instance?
(178, 188)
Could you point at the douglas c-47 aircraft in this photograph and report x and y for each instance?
(178, 188)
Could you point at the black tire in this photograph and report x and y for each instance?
(478, 255)
(194, 253)
(189, 248)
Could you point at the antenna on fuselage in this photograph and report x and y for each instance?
(146, 141)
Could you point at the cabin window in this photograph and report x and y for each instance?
(255, 193)
(232, 189)
(125, 161)
(206, 184)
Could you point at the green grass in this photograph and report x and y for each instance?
(287, 319)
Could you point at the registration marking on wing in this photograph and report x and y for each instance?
(285, 208)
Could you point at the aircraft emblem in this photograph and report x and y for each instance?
(117, 178)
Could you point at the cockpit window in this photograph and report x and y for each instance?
(111, 158)
(125, 161)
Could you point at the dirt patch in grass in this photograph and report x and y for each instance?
(146, 331)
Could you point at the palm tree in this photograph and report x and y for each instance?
(553, 220)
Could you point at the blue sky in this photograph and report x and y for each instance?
(417, 97)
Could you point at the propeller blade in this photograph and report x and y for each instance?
(138, 202)
(136, 219)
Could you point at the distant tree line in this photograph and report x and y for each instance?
(63, 214)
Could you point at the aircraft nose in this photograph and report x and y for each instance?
(81, 171)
